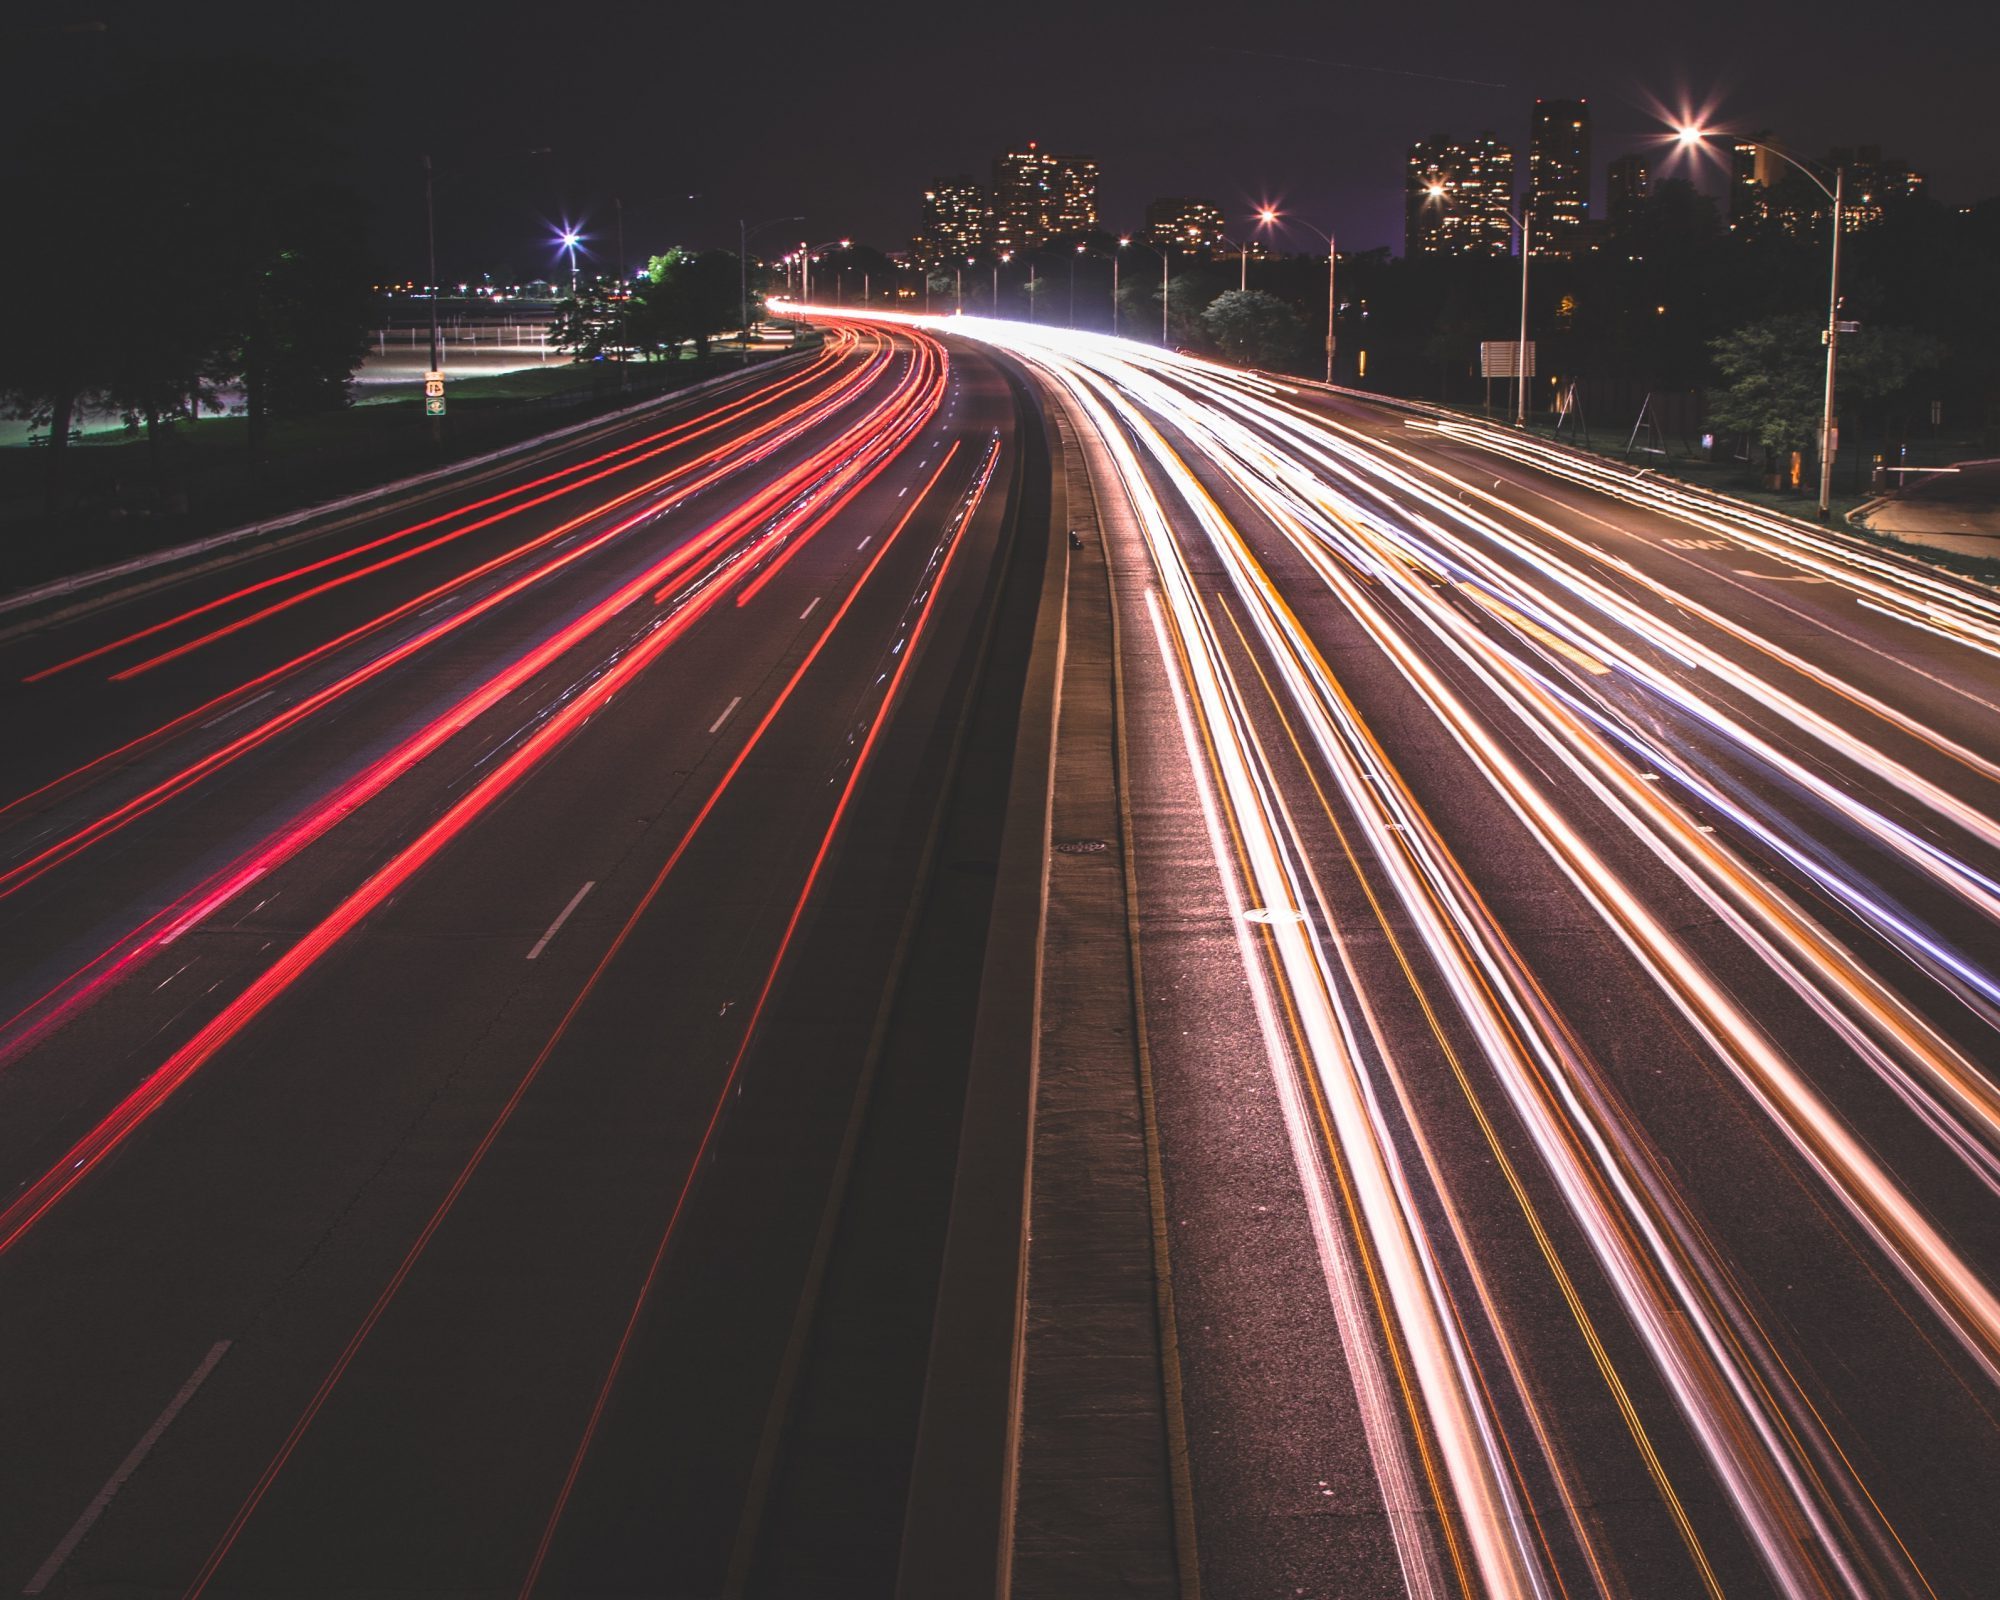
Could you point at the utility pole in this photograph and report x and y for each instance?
(1332, 257)
(434, 377)
(1827, 434)
(431, 238)
(1692, 136)
(1526, 218)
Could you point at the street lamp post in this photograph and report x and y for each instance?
(1689, 137)
(1114, 292)
(1265, 218)
(431, 237)
(1523, 221)
(570, 240)
(806, 269)
(1242, 261)
(1165, 261)
(743, 236)
(1072, 286)
(1005, 255)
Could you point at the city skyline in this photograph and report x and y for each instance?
(1283, 110)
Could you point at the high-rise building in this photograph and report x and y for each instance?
(1765, 188)
(1559, 173)
(954, 224)
(1075, 209)
(1628, 182)
(1037, 197)
(1873, 183)
(1456, 197)
(1178, 223)
(1022, 180)
(1752, 171)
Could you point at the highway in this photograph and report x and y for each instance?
(438, 962)
(1568, 909)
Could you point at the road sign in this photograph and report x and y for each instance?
(1498, 357)
(434, 405)
(434, 385)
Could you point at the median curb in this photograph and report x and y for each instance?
(1103, 1501)
(369, 502)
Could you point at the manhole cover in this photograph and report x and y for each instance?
(1083, 847)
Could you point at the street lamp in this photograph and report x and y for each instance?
(1004, 255)
(1267, 217)
(569, 240)
(806, 267)
(1072, 286)
(1522, 220)
(1242, 260)
(1165, 259)
(743, 237)
(1689, 138)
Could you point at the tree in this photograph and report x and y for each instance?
(686, 296)
(1774, 374)
(252, 264)
(1254, 329)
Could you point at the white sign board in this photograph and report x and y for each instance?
(1497, 358)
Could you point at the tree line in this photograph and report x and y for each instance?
(178, 252)
(683, 297)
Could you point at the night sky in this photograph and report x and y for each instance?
(700, 114)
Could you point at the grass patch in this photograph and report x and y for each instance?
(123, 497)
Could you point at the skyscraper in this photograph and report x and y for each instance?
(1075, 209)
(1559, 173)
(1037, 197)
(1627, 182)
(1752, 170)
(1456, 197)
(954, 225)
(1178, 223)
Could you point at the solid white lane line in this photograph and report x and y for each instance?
(809, 608)
(562, 916)
(727, 712)
(49, 1568)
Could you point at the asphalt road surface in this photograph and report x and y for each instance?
(1569, 921)
(436, 964)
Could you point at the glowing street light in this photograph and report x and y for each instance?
(1689, 137)
(1435, 192)
(806, 254)
(1242, 260)
(568, 240)
(1267, 217)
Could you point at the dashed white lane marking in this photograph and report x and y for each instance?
(45, 1574)
(727, 712)
(562, 916)
(224, 716)
(809, 608)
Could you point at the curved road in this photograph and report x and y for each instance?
(439, 962)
